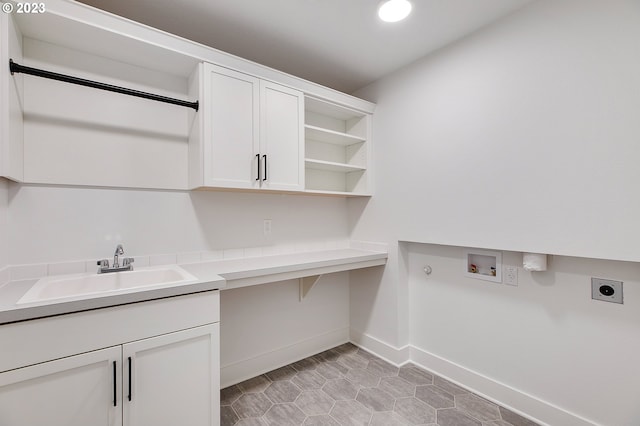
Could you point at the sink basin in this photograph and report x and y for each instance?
(79, 286)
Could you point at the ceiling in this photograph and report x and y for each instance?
(337, 43)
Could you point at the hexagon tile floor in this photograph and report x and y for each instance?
(348, 386)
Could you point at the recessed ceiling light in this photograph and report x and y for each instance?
(394, 10)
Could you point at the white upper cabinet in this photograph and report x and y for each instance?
(248, 134)
(281, 137)
(229, 141)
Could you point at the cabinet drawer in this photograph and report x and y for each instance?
(31, 342)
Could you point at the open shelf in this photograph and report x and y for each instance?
(88, 30)
(336, 193)
(61, 132)
(330, 136)
(336, 149)
(331, 166)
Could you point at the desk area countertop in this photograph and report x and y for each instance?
(260, 270)
(213, 275)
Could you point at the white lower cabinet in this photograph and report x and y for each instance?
(173, 379)
(74, 391)
(161, 381)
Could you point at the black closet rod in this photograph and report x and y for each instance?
(15, 67)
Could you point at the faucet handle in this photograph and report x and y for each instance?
(103, 264)
(127, 261)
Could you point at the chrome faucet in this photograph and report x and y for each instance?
(119, 251)
(126, 262)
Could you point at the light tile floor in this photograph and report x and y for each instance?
(348, 386)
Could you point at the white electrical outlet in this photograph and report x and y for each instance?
(510, 275)
(267, 227)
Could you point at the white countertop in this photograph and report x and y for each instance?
(259, 270)
(221, 274)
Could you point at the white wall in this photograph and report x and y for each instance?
(54, 224)
(262, 327)
(267, 326)
(546, 337)
(521, 137)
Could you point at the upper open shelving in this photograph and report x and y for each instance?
(97, 33)
(62, 134)
(337, 149)
(330, 136)
(332, 166)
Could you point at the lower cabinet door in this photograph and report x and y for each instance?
(80, 390)
(173, 379)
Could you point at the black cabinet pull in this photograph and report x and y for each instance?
(258, 161)
(115, 395)
(129, 396)
(265, 166)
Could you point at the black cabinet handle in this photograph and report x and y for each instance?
(258, 161)
(129, 396)
(265, 166)
(115, 395)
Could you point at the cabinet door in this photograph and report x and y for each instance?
(79, 390)
(231, 127)
(281, 137)
(173, 379)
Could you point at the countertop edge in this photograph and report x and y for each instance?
(214, 275)
(29, 312)
(273, 270)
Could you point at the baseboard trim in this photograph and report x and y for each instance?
(239, 371)
(519, 402)
(391, 354)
